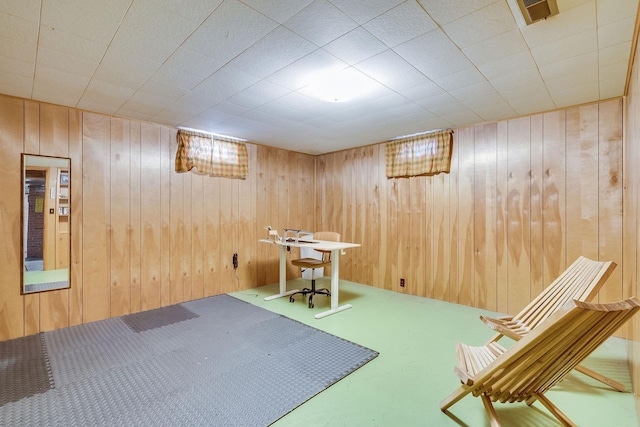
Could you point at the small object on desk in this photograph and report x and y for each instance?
(296, 234)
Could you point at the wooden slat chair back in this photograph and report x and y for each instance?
(312, 263)
(540, 359)
(581, 281)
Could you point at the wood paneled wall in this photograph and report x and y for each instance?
(524, 198)
(142, 235)
(631, 216)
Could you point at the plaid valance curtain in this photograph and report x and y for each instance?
(211, 155)
(425, 154)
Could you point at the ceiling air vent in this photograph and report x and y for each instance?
(535, 10)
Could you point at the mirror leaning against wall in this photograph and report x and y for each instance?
(46, 223)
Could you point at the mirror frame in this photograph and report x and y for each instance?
(57, 202)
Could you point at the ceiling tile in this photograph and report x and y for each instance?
(612, 11)
(15, 84)
(320, 23)
(135, 43)
(153, 19)
(518, 63)
(191, 9)
(69, 44)
(414, 19)
(279, 11)
(615, 33)
(94, 20)
(392, 71)
(18, 29)
(445, 11)
(443, 58)
(355, 46)
(274, 52)
(504, 45)
(575, 95)
(566, 24)
(104, 97)
(25, 9)
(64, 62)
(258, 94)
(17, 49)
(16, 66)
(529, 78)
(186, 69)
(125, 70)
(363, 11)
(299, 73)
(571, 68)
(460, 80)
(482, 24)
(222, 38)
(573, 45)
(226, 82)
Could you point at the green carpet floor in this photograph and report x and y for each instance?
(416, 339)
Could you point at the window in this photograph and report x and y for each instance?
(424, 154)
(211, 155)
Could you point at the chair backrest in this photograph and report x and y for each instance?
(331, 236)
(580, 281)
(543, 357)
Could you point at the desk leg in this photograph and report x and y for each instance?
(283, 276)
(335, 266)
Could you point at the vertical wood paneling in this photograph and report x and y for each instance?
(464, 290)
(96, 186)
(485, 217)
(176, 231)
(77, 254)
(631, 217)
(212, 283)
(197, 236)
(12, 315)
(135, 230)
(517, 201)
(187, 245)
(610, 194)
(502, 257)
(383, 213)
(554, 195)
(120, 221)
(452, 212)
(166, 139)
(151, 223)
(582, 182)
(534, 195)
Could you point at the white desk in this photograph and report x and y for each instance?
(335, 247)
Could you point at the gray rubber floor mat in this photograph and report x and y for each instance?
(24, 369)
(214, 361)
(157, 318)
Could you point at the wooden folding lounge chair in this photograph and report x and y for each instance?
(540, 359)
(580, 281)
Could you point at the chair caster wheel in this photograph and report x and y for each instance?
(291, 299)
(311, 305)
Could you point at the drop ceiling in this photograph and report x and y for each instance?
(238, 68)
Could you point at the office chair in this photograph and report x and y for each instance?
(312, 263)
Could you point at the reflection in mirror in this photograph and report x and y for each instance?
(46, 242)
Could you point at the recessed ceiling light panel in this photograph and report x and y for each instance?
(339, 85)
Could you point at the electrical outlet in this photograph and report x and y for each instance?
(235, 261)
(402, 283)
